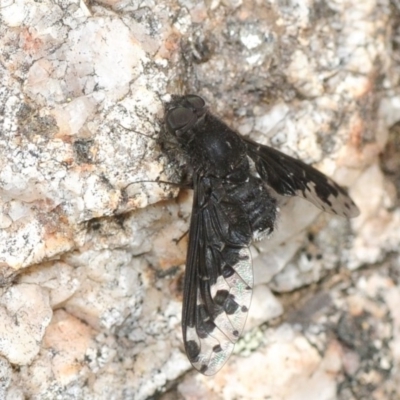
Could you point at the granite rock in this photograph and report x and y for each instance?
(92, 248)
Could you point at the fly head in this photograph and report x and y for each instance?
(184, 113)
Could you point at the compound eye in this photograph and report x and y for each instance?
(195, 101)
(179, 118)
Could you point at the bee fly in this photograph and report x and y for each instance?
(232, 205)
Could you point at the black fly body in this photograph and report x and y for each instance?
(232, 205)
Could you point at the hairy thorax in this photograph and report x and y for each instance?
(219, 155)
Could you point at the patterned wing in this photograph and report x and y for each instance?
(218, 279)
(291, 177)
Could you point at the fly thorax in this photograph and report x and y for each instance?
(221, 152)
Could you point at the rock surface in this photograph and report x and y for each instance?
(92, 249)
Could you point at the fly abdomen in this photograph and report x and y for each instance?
(258, 204)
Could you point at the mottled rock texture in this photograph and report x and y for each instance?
(91, 262)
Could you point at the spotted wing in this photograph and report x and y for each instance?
(291, 177)
(218, 279)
